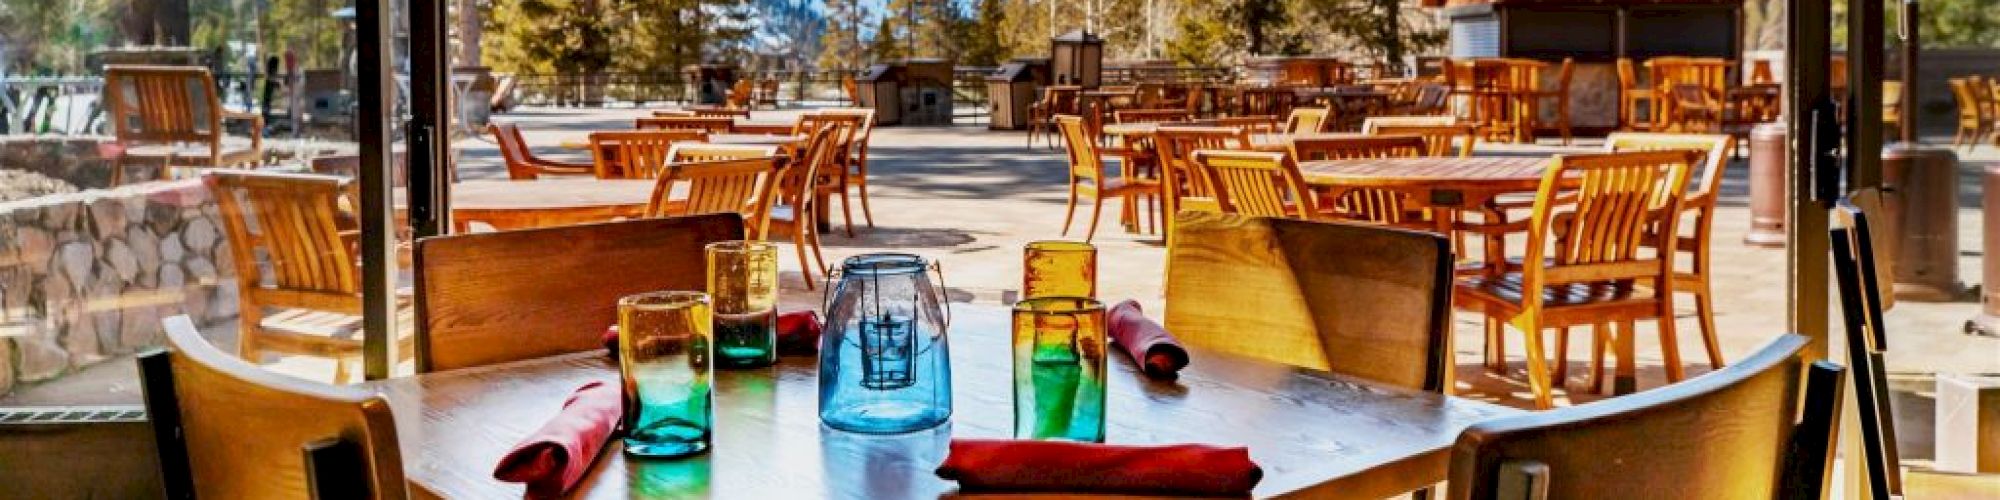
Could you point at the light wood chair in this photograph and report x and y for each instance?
(636, 154)
(1256, 184)
(1307, 120)
(1056, 100)
(1561, 96)
(1182, 187)
(1086, 176)
(1151, 116)
(691, 152)
(836, 178)
(1254, 124)
(171, 116)
(854, 158)
(796, 211)
(1734, 433)
(1592, 272)
(1439, 140)
(313, 282)
(1975, 118)
(496, 297)
(709, 124)
(1632, 97)
(1364, 203)
(739, 95)
(850, 91)
(1357, 300)
(227, 429)
(736, 186)
(1698, 202)
(522, 164)
(714, 112)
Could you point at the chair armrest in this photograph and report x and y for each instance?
(1516, 226)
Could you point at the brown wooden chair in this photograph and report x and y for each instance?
(1975, 119)
(1439, 140)
(496, 297)
(1733, 433)
(1306, 120)
(1256, 184)
(1365, 301)
(1364, 203)
(714, 112)
(709, 124)
(1632, 97)
(691, 152)
(835, 178)
(171, 116)
(737, 186)
(1182, 187)
(795, 210)
(227, 429)
(1255, 124)
(1561, 96)
(854, 157)
(767, 92)
(309, 248)
(1056, 100)
(1592, 272)
(1150, 115)
(739, 95)
(850, 91)
(636, 154)
(522, 164)
(1698, 202)
(1086, 176)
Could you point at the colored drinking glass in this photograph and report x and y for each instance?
(1059, 369)
(1059, 269)
(665, 346)
(743, 283)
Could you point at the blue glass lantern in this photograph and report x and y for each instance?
(884, 364)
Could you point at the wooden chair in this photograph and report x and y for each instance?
(850, 91)
(1439, 140)
(226, 429)
(1734, 433)
(636, 154)
(692, 152)
(796, 210)
(1256, 184)
(1588, 241)
(854, 158)
(675, 113)
(1974, 117)
(709, 124)
(1150, 116)
(1364, 301)
(836, 178)
(739, 95)
(767, 93)
(737, 186)
(170, 116)
(1698, 202)
(1306, 120)
(522, 164)
(1631, 96)
(1086, 176)
(713, 112)
(312, 259)
(1056, 100)
(1363, 203)
(1182, 185)
(496, 297)
(1861, 304)
(1255, 124)
(1892, 107)
(1561, 95)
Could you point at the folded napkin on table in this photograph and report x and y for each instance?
(1064, 466)
(554, 458)
(798, 334)
(1155, 350)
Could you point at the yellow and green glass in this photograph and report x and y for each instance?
(743, 282)
(1059, 369)
(1059, 269)
(665, 346)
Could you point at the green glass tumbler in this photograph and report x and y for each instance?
(743, 283)
(665, 346)
(1059, 369)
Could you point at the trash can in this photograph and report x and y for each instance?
(879, 90)
(711, 82)
(1011, 90)
(1920, 201)
(927, 92)
(1988, 321)
(1768, 199)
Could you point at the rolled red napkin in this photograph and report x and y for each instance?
(1149, 344)
(798, 335)
(554, 458)
(1065, 466)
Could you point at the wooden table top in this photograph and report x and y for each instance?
(549, 194)
(1442, 182)
(1312, 432)
(764, 126)
(747, 139)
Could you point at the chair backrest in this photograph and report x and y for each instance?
(513, 151)
(720, 112)
(1439, 140)
(1256, 184)
(1563, 74)
(1177, 144)
(848, 126)
(1358, 300)
(296, 220)
(738, 186)
(1151, 115)
(1617, 197)
(488, 298)
(1084, 160)
(1725, 434)
(162, 104)
(1715, 149)
(866, 128)
(679, 113)
(1311, 148)
(1628, 75)
(849, 88)
(637, 154)
(1369, 124)
(1307, 120)
(710, 124)
(231, 430)
(690, 152)
(1861, 302)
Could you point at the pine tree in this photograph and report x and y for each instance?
(882, 47)
(840, 39)
(982, 41)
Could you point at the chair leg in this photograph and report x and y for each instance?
(813, 233)
(1538, 369)
(341, 375)
(1670, 346)
(1562, 356)
(1496, 346)
(846, 211)
(1069, 213)
(805, 267)
(1096, 210)
(860, 179)
(249, 321)
(1704, 310)
(1626, 377)
(1600, 335)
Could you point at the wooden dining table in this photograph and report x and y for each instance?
(1467, 183)
(1313, 433)
(509, 204)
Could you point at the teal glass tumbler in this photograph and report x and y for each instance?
(1059, 369)
(666, 350)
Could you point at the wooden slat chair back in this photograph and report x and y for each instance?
(1305, 120)
(172, 116)
(1974, 119)
(228, 429)
(1698, 200)
(710, 124)
(489, 298)
(1151, 115)
(720, 112)
(1086, 176)
(1086, 163)
(1856, 272)
(637, 154)
(308, 265)
(522, 164)
(739, 95)
(690, 152)
(854, 160)
(1358, 300)
(793, 215)
(1177, 144)
(1439, 140)
(1732, 433)
(1256, 184)
(1366, 204)
(741, 186)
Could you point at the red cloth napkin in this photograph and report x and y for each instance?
(798, 335)
(1157, 353)
(1064, 466)
(555, 457)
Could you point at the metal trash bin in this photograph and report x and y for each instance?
(927, 92)
(1768, 198)
(878, 90)
(1920, 205)
(1011, 91)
